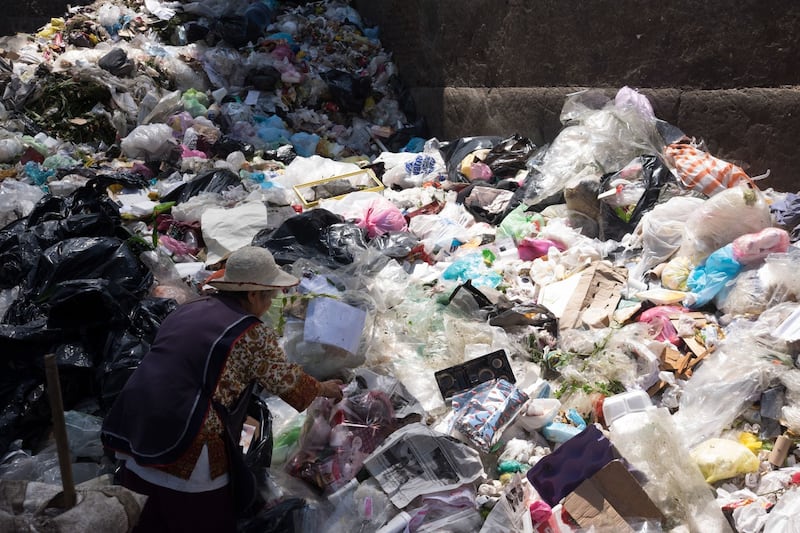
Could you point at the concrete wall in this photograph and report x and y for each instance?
(27, 16)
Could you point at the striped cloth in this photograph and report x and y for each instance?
(699, 170)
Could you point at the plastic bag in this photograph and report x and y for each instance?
(598, 134)
(723, 459)
(149, 142)
(627, 194)
(676, 272)
(520, 223)
(337, 438)
(706, 280)
(755, 247)
(660, 232)
(382, 217)
(721, 219)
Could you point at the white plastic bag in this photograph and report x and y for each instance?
(727, 215)
(151, 141)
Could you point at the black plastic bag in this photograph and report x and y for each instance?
(124, 349)
(302, 236)
(344, 241)
(215, 180)
(509, 156)
(26, 411)
(395, 244)
(87, 258)
(259, 454)
(616, 222)
(454, 153)
(117, 63)
(86, 303)
(277, 519)
(349, 92)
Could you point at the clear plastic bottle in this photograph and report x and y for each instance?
(647, 438)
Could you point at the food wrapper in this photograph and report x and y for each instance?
(481, 413)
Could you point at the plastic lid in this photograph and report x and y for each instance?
(619, 405)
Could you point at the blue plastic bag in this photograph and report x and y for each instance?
(707, 280)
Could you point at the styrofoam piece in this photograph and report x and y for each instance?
(619, 405)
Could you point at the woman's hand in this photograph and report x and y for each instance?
(331, 389)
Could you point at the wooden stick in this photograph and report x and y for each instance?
(60, 431)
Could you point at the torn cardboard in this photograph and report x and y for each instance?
(609, 499)
(587, 298)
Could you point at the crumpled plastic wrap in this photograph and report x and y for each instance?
(481, 413)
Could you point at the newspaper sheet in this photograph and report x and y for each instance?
(417, 460)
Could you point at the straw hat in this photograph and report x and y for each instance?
(252, 268)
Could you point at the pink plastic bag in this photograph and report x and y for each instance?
(660, 324)
(531, 248)
(754, 247)
(382, 216)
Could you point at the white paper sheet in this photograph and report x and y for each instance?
(330, 321)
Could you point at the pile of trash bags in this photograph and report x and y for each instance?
(595, 334)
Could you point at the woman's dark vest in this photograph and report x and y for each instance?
(165, 402)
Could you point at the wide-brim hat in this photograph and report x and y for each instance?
(252, 268)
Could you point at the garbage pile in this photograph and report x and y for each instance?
(595, 334)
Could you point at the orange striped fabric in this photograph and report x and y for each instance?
(701, 171)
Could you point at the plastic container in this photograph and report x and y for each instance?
(619, 405)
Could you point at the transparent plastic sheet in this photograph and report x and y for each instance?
(732, 377)
(601, 357)
(650, 441)
(19, 464)
(170, 283)
(596, 133)
(747, 295)
(83, 434)
(783, 517)
(791, 409)
(779, 273)
(660, 233)
(17, 200)
(358, 507)
(325, 361)
(721, 219)
(337, 438)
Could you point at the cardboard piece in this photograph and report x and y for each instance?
(610, 498)
(589, 297)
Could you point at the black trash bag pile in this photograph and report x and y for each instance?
(82, 295)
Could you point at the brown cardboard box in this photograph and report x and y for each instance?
(610, 498)
(589, 297)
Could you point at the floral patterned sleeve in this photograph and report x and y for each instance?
(257, 355)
